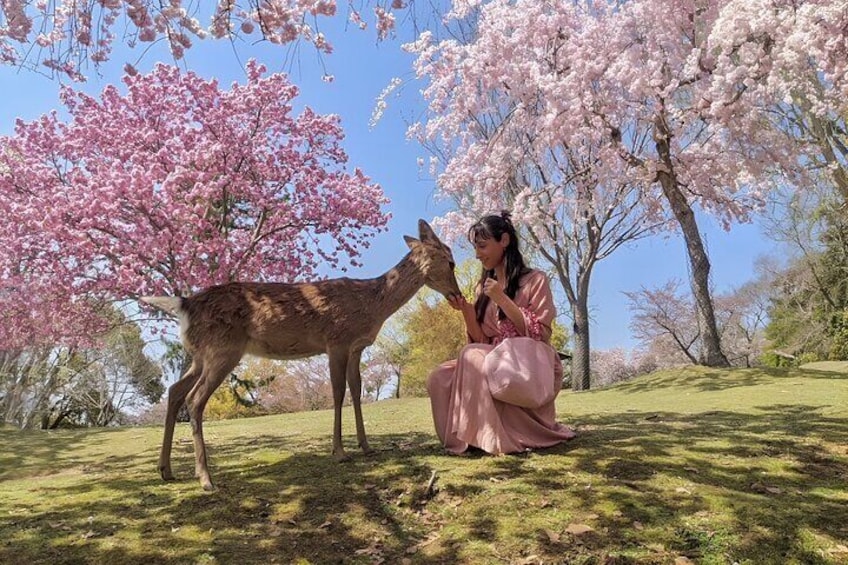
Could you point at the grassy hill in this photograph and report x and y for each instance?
(687, 466)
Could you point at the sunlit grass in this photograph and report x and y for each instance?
(744, 466)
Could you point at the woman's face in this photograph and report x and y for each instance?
(490, 252)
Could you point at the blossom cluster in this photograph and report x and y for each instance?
(73, 32)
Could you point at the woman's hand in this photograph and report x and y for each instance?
(458, 302)
(494, 291)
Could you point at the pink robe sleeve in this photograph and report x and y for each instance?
(540, 311)
(536, 302)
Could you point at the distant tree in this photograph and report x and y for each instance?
(237, 398)
(81, 386)
(376, 378)
(810, 292)
(435, 334)
(615, 365)
(664, 320)
(743, 316)
(294, 386)
(665, 314)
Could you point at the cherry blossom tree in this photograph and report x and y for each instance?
(696, 77)
(64, 36)
(664, 321)
(802, 66)
(665, 314)
(172, 185)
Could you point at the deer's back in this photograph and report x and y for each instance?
(280, 320)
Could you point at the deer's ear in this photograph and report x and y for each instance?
(411, 241)
(426, 233)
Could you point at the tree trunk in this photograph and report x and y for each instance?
(580, 370)
(699, 263)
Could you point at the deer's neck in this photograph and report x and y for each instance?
(399, 285)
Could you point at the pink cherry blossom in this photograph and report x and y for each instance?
(70, 32)
(167, 185)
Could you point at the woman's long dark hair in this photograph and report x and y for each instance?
(493, 227)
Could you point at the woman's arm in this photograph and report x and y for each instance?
(472, 326)
(534, 319)
(496, 293)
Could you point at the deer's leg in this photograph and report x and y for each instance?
(213, 375)
(338, 366)
(354, 381)
(176, 397)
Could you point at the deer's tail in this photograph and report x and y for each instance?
(169, 304)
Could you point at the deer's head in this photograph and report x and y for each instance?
(435, 260)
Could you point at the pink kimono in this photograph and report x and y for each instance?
(464, 411)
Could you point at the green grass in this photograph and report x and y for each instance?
(717, 467)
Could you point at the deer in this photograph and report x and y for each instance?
(339, 317)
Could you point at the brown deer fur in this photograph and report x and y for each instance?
(339, 317)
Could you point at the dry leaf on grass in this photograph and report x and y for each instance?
(579, 529)
(553, 536)
(683, 561)
(761, 488)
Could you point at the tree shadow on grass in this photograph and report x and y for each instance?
(58, 448)
(302, 505)
(706, 380)
(774, 479)
(770, 472)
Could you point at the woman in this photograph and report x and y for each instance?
(512, 300)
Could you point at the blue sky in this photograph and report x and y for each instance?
(362, 68)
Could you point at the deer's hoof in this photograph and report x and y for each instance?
(207, 486)
(341, 456)
(166, 474)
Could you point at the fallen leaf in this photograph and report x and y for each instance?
(592, 517)
(553, 536)
(326, 524)
(761, 488)
(840, 549)
(690, 469)
(683, 561)
(430, 539)
(638, 525)
(544, 503)
(579, 529)
(682, 490)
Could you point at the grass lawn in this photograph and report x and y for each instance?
(688, 466)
